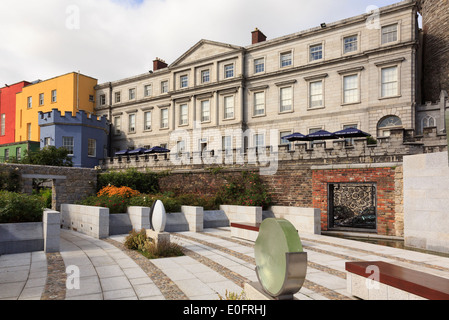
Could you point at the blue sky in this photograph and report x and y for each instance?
(115, 39)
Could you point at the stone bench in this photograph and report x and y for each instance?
(378, 280)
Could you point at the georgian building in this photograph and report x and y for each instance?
(359, 72)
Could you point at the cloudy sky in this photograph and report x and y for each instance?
(115, 39)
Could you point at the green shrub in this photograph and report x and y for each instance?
(245, 190)
(171, 203)
(136, 240)
(48, 156)
(115, 203)
(46, 195)
(18, 207)
(144, 182)
(164, 249)
(10, 179)
(195, 200)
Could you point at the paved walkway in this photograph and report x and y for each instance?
(213, 264)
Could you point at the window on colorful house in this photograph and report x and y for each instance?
(92, 148)
(68, 143)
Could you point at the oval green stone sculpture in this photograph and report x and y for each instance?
(279, 257)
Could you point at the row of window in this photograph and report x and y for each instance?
(350, 94)
(69, 144)
(351, 44)
(183, 116)
(54, 95)
(183, 83)
(6, 155)
(258, 139)
(389, 34)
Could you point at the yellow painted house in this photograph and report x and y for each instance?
(67, 93)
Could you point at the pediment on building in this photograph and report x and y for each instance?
(204, 50)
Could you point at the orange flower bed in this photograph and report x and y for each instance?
(125, 192)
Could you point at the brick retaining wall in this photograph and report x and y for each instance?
(383, 177)
(307, 186)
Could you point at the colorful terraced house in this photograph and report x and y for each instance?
(21, 104)
(84, 135)
(67, 93)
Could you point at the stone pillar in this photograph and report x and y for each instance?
(194, 217)
(51, 230)
(139, 217)
(58, 194)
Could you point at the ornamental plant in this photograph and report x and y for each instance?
(144, 182)
(245, 190)
(140, 242)
(18, 207)
(117, 199)
(125, 192)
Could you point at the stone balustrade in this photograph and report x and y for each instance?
(387, 149)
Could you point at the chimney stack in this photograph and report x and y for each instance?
(159, 64)
(258, 36)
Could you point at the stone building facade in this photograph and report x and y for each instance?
(435, 48)
(360, 72)
(364, 71)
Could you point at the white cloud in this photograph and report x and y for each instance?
(120, 38)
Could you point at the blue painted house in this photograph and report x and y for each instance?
(84, 135)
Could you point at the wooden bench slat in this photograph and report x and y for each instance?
(419, 283)
(247, 226)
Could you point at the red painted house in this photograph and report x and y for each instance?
(8, 111)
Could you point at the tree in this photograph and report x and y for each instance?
(49, 156)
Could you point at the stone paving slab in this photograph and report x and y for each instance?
(213, 264)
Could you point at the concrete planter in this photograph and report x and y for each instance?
(98, 223)
(32, 236)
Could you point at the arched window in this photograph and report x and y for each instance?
(428, 121)
(386, 124)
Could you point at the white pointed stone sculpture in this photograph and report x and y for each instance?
(158, 216)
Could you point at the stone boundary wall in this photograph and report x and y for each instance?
(32, 236)
(136, 218)
(98, 223)
(305, 220)
(195, 219)
(69, 184)
(92, 221)
(305, 186)
(243, 214)
(426, 202)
